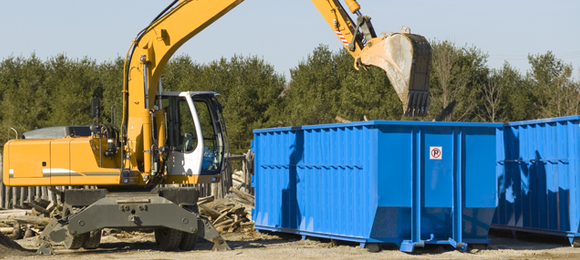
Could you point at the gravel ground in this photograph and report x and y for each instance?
(256, 245)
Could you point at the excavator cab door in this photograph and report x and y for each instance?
(194, 134)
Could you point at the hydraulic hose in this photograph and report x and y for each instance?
(126, 69)
(128, 58)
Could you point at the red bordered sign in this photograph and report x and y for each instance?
(435, 152)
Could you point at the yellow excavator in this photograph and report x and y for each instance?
(170, 139)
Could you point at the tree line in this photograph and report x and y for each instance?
(323, 88)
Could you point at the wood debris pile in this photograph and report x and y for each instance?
(19, 223)
(231, 214)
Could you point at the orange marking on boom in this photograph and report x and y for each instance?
(341, 37)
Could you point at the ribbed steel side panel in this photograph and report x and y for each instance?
(375, 182)
(537, 174)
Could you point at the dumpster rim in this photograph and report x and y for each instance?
(543, 121)
(380, 123)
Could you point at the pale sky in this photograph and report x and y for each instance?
(283, 32)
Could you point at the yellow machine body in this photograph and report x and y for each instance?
(148, 152)
(73, 161)
(65, 161)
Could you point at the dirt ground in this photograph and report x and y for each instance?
(256, 245)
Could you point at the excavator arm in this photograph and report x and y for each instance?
(341, 23)
(353, 34)
(143, 151)
(154, 45)
(405, 57)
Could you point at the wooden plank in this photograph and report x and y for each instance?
(238, 178)
(235, 157)
(243, 195)
(227, 208)
(209, 211)
(14, 196)
(14, 212)
(22, 197)
(7, 193)
(33, 205)
(32, 220)
(221, 218)
(7, 230)
(2, 187)
(224, 223)
(205, 200)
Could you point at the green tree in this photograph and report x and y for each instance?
(456, 74)
(366, 94)
(518, 95)
(493, 99)
(25, 99)
(325, 88)
(313, 92)
(72, 83)
(110, 84)
(248, 88)
(181, 73)
(554, 91)
(504, 97)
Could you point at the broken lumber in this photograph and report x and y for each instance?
(37, 207)
(205, 210)
(34, 220)
(205, 200)
(242, 195)
(7, 230)
(11, 213)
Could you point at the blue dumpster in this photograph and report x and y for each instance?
(538, 177)
(401, 182)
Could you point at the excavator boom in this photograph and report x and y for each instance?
(146, 59)
(405, 57)
(161, 138)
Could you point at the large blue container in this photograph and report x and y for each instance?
(538, 176)
(408, 183)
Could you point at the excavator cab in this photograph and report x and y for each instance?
(194, 135)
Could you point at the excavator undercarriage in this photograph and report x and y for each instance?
(171, 212)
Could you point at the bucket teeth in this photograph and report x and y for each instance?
(417, 104)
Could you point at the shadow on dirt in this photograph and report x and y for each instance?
(257, 242)
(202, 244)
(499, 240)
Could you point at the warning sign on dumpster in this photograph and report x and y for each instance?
(435, 152)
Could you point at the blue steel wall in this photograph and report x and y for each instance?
(537, 175)
(316, 180)
(355, 181)
(468, 152)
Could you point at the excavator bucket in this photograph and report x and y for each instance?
(407, 60)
